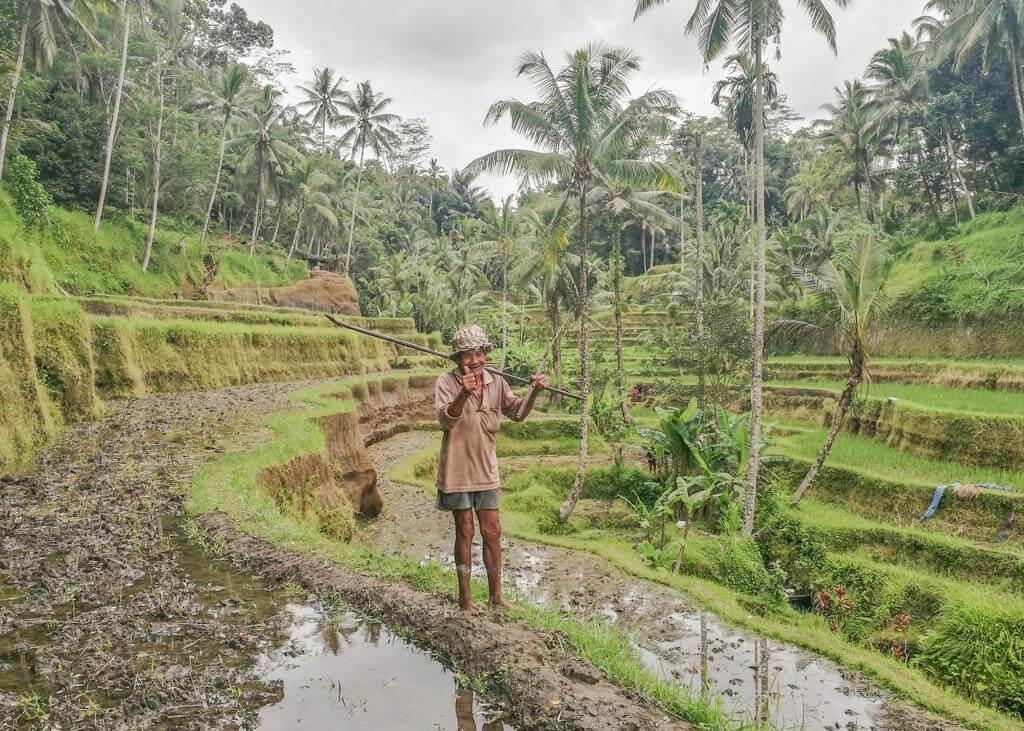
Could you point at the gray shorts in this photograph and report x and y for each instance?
(478, 500)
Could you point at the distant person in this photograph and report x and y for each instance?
(634, 395)
(470, 403)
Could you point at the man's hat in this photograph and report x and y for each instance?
(470, 337)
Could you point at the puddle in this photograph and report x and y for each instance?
(286, 663)
(338, 670)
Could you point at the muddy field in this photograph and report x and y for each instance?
(753, 677)
(110, 617)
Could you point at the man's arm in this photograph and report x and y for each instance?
(517, 409)
(451, 398)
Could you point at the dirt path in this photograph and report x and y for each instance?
(105, 618)
(802, 689)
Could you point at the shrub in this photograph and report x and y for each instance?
(31, 201)
(977, 645)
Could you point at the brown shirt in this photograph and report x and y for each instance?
(469, 460)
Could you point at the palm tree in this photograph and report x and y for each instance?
(45, 25)
(366, 124)
(228, 94)
(323, 100)
(736, 94)
(115, 114)
(585, 124)
(621, 199)
(854, 281)
(506, 239)
(989, 26)
(305, 183)
(752, 23)
(263, 142)
(433, 171)
(853, 129)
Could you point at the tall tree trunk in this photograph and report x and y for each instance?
(581, 462)
(617, 306)
(12, 96)
(295, 238)
(643, 249)
(158, 151)
(216, 178)
(355, 202)
(258, 204)
(504, 305)
(698, 165)
(955, 168)
(277, 223)
(924, 181)
(556, 348)
(757, 375)
(1014, 64)
(114, 117)
(845, 399)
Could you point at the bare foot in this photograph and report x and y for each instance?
(499, 603)
(469, 607)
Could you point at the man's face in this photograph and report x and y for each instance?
(474, 360)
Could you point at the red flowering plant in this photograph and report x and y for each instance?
(833, 606)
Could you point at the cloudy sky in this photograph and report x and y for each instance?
(447, 60)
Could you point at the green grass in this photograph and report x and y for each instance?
(807, 631)
(797, 359)
(229, 485)
(863, 454)
(935, 398)
(70, 255)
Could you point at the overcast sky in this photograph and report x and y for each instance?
(447, 60)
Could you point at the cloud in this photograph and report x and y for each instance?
(447, 60)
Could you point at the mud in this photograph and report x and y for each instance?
(538, 682)
(755, 679)
(109, 618)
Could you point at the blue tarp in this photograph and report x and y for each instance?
(940, 490)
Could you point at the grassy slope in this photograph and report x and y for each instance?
(803, 440)
(988, 281)
(70, 255)
(969, 400)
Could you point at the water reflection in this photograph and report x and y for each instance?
(341, 670)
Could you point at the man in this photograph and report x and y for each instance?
(470, 403)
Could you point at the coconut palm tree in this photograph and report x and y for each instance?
(322, 101)
(717, 23)
(853, 129)
(621, 200)
(306, 184)
(263, 142)
(584, 123)
(991, 27)
(367, 124)
(506, 239)
(854, 283)
(44, 26)
(227, 97)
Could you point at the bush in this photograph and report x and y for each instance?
(977, 646)
(31, 201)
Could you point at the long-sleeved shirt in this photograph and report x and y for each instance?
(469, 460)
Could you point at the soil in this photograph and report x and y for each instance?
(107, 617)
(802, 690)
(111, 618)
(539, 682)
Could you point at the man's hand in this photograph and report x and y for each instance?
(470, 381)
(538, 382)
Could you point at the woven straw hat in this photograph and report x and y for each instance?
(469, 337)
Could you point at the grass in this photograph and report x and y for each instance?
(838, 361)
(69, 255)
(229, 485)
(867, 456)
(807, 631)
(934, 398)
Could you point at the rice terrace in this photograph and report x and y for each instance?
(625, 364)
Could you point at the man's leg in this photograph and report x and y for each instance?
(464, 556)
(490, 529)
